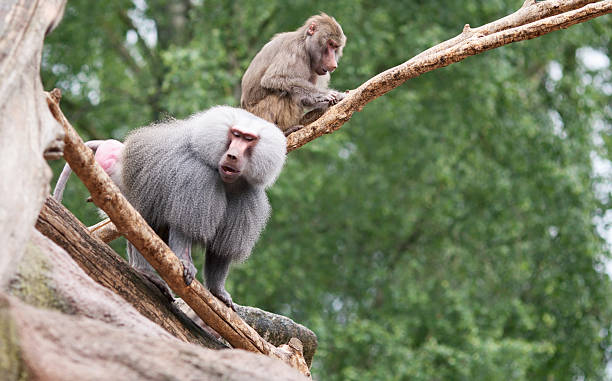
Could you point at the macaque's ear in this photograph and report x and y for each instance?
(312, 28)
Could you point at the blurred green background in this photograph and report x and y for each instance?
(452, 230)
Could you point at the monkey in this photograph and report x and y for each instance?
(290, 74)
(200, 180)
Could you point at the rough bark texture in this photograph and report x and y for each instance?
(27, 128)
(275, 329)
(107, 268)
(278, 329)
(48, 345)
(531, 21)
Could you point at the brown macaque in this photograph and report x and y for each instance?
(289, 75)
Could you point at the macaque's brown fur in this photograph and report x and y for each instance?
(290, 73)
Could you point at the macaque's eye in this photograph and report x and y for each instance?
(236, 134)
(248, 138)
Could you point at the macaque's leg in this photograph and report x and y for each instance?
(216, 268)
(140, 264)
(308, 118)
(292, 129)
(181, 246)
(311, 116)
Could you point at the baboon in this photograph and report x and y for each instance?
(199, 180)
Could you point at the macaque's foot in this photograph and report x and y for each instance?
(159, 283)
(189, 271)
(225, 297)
(323, 101)
(292, 129)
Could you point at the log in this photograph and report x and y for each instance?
(111, 271)
(107, 268)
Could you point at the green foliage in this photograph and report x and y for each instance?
(446, 232)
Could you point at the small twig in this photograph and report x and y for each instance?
(105, 231)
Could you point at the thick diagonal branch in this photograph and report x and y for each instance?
(130, 223)
(531, 21)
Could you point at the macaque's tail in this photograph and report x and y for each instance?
(58, 192)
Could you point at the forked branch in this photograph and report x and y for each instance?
(532, 20)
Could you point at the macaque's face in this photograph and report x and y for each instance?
(323, 48)
(329, 58)
(239, 149)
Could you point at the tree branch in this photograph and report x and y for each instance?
(530, 21)
(130, 223)
(105, 231)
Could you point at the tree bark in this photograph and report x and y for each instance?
(107, 268)
(27, 128)
(276, 329)
(48, 345)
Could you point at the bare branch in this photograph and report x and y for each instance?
(531, 21)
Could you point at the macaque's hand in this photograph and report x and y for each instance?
(329, 99)
(334, 97)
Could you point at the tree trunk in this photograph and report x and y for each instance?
(27, 128)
